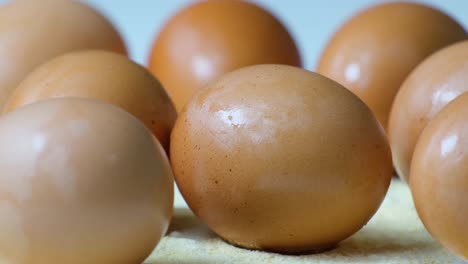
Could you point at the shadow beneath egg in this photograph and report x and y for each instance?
(185, 224)
(396, 235)
(375, 240)
(191, 261)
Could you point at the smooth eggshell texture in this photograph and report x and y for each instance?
(277, 158)
(32, 32)
(374, 51)
(209, 38)
(439, 176)
(432, 85)
(102, 75)
(81, 182)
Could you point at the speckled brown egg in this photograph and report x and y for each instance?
(102, 75)
(434, 83)
(81, 182)
(278, 158)
(209, 38)
(439, 176)
(374, 51)
(32, 32)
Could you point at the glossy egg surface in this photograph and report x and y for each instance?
(278, 158)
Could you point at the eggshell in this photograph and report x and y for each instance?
(209, 38)
(374, 51)
(32, 32)
(102, 75)
(434, 83)
(439, 181)
(81, 182)
(278, 158)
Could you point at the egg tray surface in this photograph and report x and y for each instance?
(394, 235)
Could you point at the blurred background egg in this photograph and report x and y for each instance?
(102, 75)
(209, 38)
(439, 176)
(32, 32)
(311, 24)
(376, 49)
(278, 158)
(432, 85)
(81, 182)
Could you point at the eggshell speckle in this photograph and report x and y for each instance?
(277, 158)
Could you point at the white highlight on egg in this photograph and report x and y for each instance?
(234, 117)
(38, 142)
(448, 144)
(443, 97)
(353, 72)
(202, 67)
(244, 117)
(262, 125)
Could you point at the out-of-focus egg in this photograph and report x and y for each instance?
(81, 182)
(209, 38)
(102, 75)
(374, 52)
(439, 176)
(32, 32)
(432, 85)
(277, 158)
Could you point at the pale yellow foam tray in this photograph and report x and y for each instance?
(394, 235)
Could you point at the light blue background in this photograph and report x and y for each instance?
(312, 22)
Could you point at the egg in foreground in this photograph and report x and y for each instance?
(439, 176)
(82, 182)
(278, 158)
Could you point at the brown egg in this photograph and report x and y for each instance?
(374, 52)
(277, 158)
(210, 38)
(82, 182)
(102, 75)
(439, 181)
(32, 32)
(432, 85)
